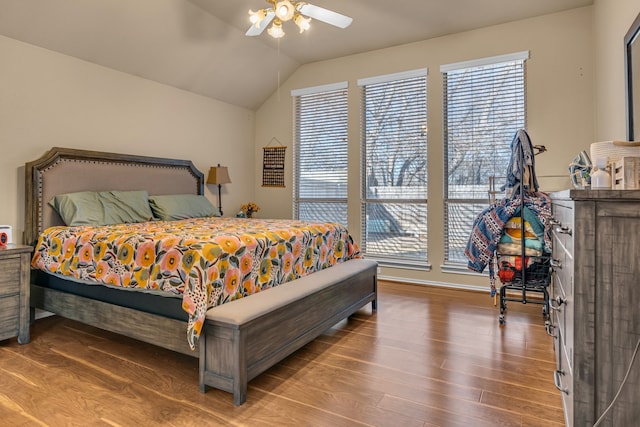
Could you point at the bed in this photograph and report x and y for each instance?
(238, 339)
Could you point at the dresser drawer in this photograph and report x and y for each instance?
(9, 309)
(563, 216)
(562, 269)
(557, 347)
(562, 309)
(9, 276)
(563, 379)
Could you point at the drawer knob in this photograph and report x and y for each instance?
(557, 382)
(564, 230)
(556, 302)
(549, 327)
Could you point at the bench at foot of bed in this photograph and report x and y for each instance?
(243, 338)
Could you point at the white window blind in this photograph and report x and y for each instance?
(394, 168)
(320, 170)
(484, 105)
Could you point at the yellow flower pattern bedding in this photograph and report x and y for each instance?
(208, 261)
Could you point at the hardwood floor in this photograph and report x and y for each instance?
(428, 357)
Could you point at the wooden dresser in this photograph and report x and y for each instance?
(15, 266)
(596, 304)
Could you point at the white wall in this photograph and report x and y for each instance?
(560, 102)
(48, 99)
(612, 21)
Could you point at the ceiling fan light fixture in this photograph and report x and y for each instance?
(302, 22)
(257, 17)
(300, 12)
(284, 10)
(275, 30)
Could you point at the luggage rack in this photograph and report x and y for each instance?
(527, 274)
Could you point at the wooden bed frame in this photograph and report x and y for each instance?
(230, 352)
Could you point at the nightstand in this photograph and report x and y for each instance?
(15, 264)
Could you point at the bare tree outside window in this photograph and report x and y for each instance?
(394, 156)
(484, 106)
(321, 155)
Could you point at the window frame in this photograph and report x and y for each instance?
(456, 266)
(386, 259)
(296, 94)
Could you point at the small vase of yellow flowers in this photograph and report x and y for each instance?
(249, 209)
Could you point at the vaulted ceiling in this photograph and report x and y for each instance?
(200, 46)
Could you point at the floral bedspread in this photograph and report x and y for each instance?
(208, 261)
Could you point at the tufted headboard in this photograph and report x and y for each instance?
(67, 170)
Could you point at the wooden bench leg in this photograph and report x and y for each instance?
(374, 301)
(240, 394)
(202, 347)
(240, 375)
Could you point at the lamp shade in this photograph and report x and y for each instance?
(284, 10)
(218, 175)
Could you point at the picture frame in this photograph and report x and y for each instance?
(632, 78)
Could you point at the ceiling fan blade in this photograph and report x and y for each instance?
(325, 15)
(256, 31)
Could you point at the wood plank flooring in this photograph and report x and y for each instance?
(428, 357)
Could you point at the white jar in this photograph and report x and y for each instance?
(600, 178)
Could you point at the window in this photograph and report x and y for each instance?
(320, 144)
(484, 105)
(394, 168)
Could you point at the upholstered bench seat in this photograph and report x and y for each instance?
(262, 329)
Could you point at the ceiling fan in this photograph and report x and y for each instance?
(285, 10)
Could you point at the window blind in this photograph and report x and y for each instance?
(484, 105)
(394, 168)
(321, 163)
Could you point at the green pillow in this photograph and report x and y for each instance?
(181, 206)
(103, 208)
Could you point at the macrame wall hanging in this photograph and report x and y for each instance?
(273, 164)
